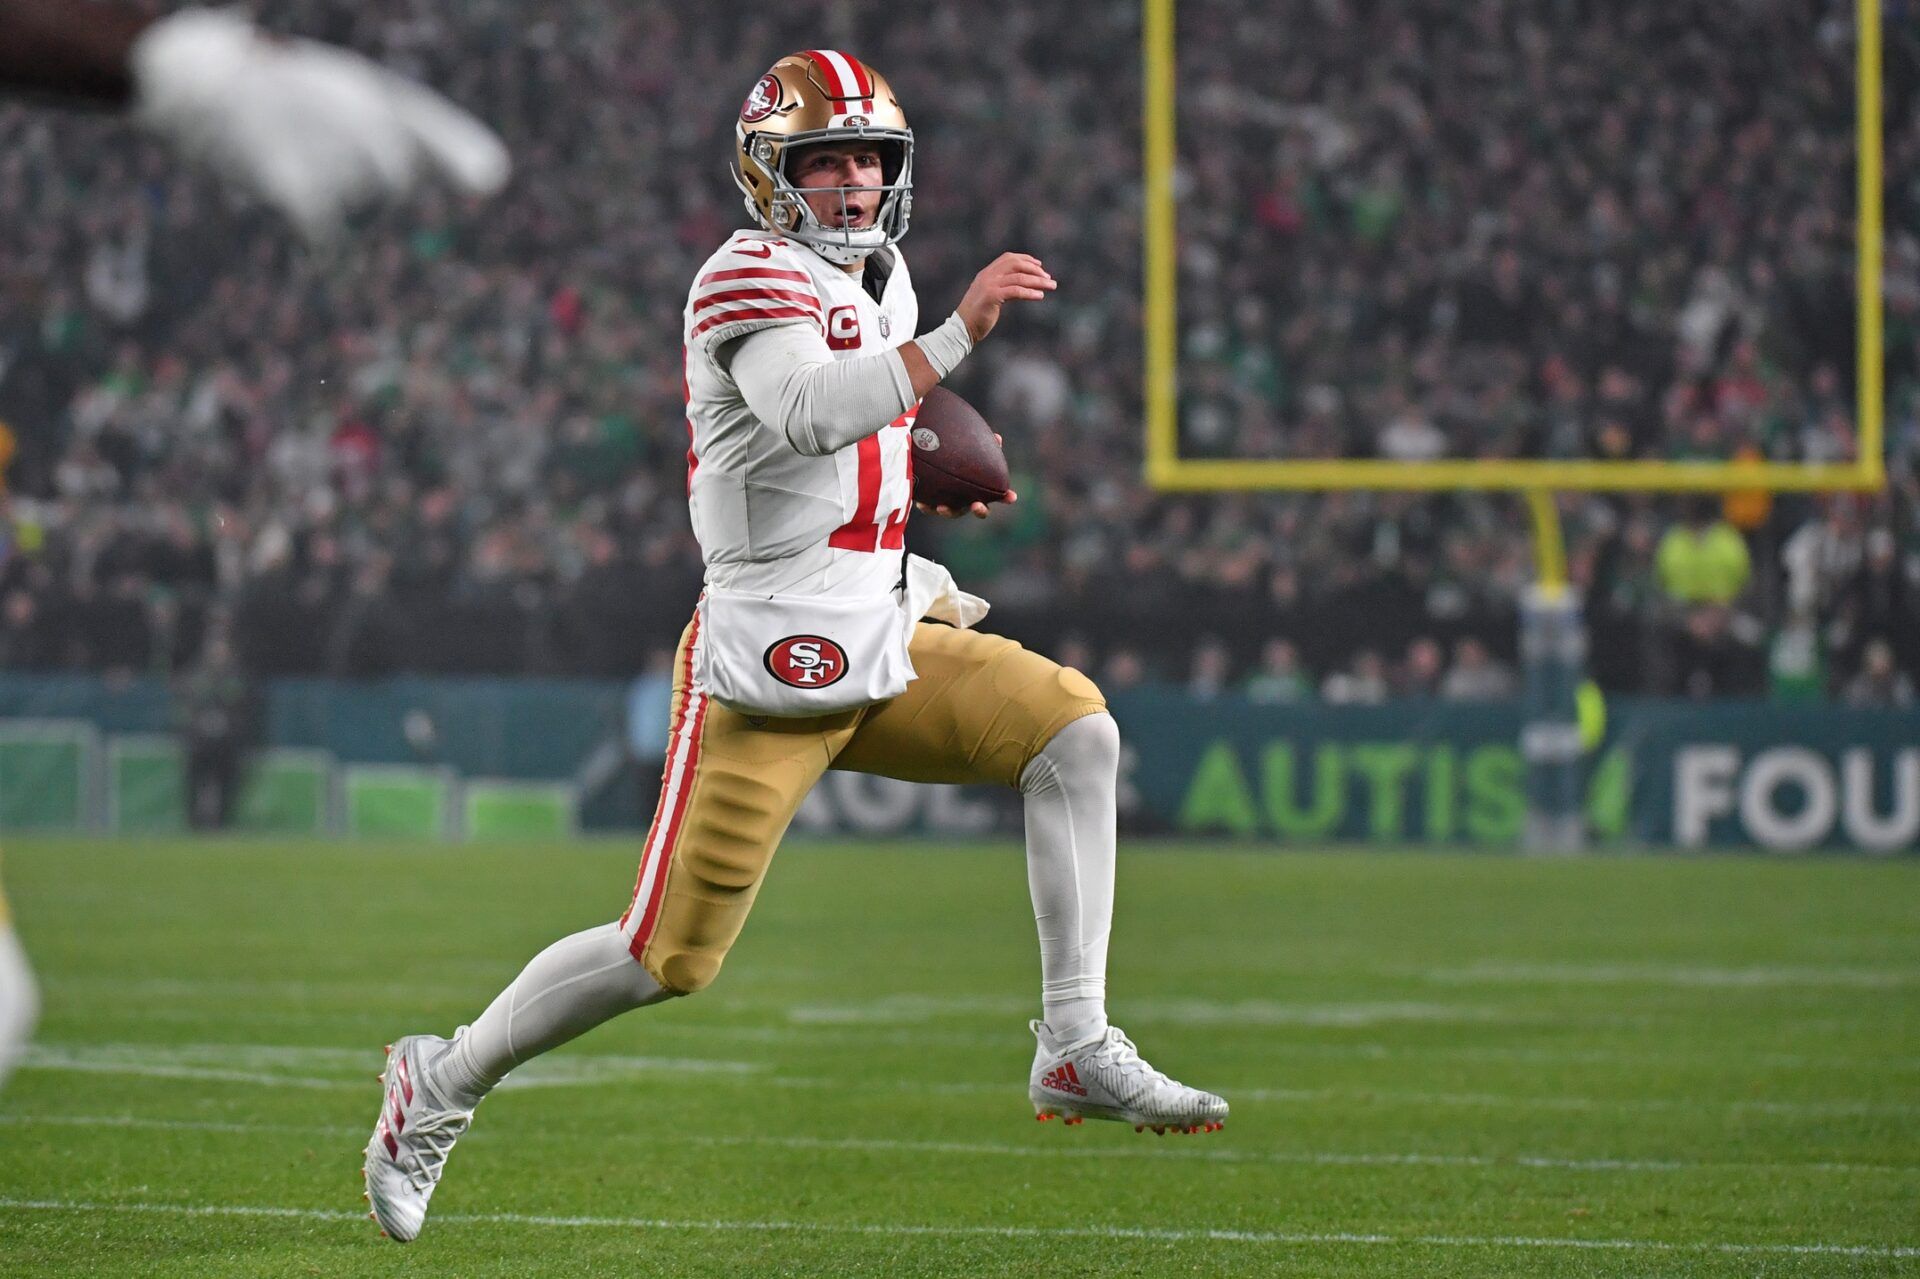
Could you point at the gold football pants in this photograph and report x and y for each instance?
(980, 710)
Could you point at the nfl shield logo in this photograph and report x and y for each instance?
(886, 328)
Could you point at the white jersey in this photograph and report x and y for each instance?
(770, 519)
(810, 596)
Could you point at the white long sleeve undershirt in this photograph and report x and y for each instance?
(791, 381)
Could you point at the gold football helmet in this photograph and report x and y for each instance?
(822, 95)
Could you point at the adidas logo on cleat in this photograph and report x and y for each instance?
(1064, 1078)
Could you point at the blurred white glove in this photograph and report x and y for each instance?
(313, 130)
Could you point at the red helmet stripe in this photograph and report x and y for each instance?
(836, 83)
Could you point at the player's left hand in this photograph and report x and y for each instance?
(313, 130)
(978, 510)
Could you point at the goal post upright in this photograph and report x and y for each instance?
(1869, 197)
(1161, 264)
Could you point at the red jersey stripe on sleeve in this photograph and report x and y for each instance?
(706, 300)
(755, 313)
(753, 273)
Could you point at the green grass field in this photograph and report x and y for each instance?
(1438, 1065)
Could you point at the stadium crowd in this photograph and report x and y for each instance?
(1408, 230)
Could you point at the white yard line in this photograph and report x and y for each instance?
(272, 1065)
(900, 1010)
(1510, 1101)
(172, 1125)
(40, 1057)
(1152, 1234)
(1686, 976)
(1131, 1151)
(1328, 1158)
(1369, 1096)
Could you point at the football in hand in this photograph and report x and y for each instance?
(956, 460)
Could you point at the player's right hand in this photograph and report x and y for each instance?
(313, 130)
(1011, 276)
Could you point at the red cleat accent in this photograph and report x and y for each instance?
(1043, 1116)
(1076, 1119)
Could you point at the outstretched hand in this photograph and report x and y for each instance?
(1008, 278)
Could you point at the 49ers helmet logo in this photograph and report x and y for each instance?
(806, 661)
(761, 102)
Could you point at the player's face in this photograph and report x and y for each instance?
(839, 164)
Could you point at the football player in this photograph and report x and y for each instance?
(808, 649)
(313, 130)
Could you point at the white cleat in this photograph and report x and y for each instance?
(411, 1140)
(1105, 1078)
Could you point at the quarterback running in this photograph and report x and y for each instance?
(818, 642)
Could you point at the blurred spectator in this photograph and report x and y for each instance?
(1880, 682)
(1703, 559)
(1364, 684)
(1212, 666)
(1475, 676)
(1073, 651)
(1421, 673)
(1823, 553)
(1123, 670)
(214, 705)
(649, 718)
(1279, 679)
(26, 639)
(1874, 602)
(1796, 662)
(1714, 656)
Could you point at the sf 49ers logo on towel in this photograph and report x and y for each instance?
(806, 661)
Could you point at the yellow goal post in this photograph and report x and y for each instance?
(1167, 470)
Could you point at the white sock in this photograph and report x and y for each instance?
(563, 992)
(1069, 788)
(19, 1000)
